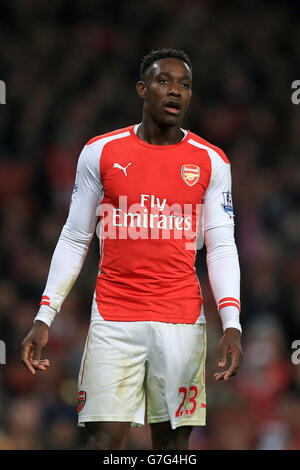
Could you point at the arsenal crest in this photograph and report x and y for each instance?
(190, 174)
(81, 400)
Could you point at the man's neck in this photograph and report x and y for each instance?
(153, 134)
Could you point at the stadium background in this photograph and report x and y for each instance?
(70, 68)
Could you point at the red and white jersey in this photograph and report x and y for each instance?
(152, 203)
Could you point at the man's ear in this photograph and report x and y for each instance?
(141, 89)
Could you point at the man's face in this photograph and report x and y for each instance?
(167, 91)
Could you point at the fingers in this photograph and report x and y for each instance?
(223, 355)
(26, 357)
(34, 364)
(31, 358)
(41, 364)
(235, 360)
(37, 362)
(224, 375)
(37, 353)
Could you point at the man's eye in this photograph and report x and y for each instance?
(163, 80)
(186, 85)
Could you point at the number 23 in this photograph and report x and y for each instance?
(193, 392)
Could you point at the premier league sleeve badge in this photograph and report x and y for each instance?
(228, 206)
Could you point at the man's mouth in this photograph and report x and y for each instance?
(172, 108)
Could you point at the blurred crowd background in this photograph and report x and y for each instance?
(70, 69)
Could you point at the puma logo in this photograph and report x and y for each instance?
(117, 165)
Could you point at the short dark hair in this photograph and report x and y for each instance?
(157, 54)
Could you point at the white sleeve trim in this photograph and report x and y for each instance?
(46, 315)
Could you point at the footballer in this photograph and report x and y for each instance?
(154, 187)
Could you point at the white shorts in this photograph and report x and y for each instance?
(125, 364)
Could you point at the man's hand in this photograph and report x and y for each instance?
(229, 345)
(32, 347)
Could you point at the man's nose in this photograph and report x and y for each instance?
(174, 89)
